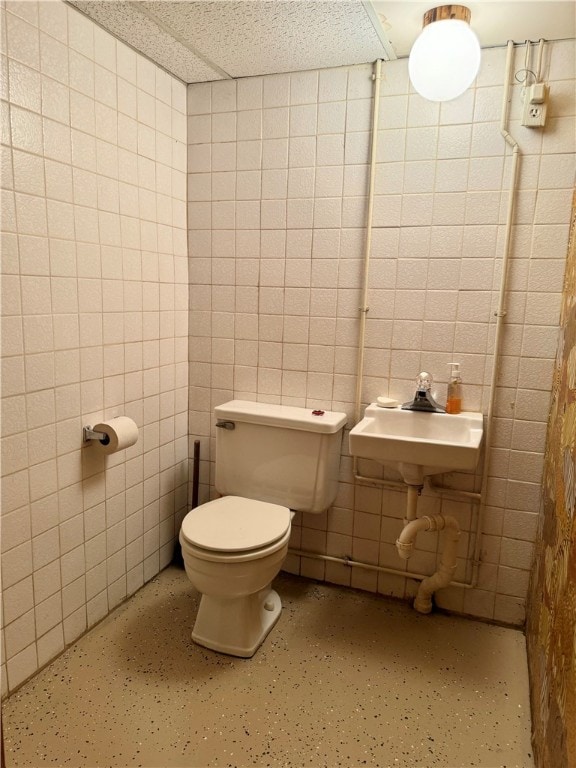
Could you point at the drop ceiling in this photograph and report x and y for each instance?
(222, 39)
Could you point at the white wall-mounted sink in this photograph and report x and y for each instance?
(417, 443)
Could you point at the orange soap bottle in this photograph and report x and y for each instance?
(454, 395)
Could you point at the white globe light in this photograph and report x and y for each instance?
(444, 60)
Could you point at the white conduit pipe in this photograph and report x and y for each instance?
(501, 311)
(538, 72)
(350, 563)
(363, 308)
(443, 576)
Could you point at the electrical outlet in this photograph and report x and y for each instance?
(534, 115)
(535, 106)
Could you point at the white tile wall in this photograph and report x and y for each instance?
(94, 324)
(277, 184)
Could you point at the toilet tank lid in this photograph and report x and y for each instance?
(286, 416)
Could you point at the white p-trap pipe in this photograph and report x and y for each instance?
(445, 572)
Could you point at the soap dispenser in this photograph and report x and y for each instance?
(454, 395)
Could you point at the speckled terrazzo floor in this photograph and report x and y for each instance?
(345, 679)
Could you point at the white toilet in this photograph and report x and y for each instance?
(270, 459)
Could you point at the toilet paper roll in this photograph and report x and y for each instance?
(120, 432)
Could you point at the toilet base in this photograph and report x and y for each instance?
(236, 626)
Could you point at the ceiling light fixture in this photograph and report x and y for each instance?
(445, 58)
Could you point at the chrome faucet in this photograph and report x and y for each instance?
(423, 400)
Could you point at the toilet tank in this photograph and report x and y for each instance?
(278, 453)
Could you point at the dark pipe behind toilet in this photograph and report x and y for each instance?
(178, 560)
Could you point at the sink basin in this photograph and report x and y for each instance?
(416, 443)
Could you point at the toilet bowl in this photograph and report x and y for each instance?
(269, 459)
(233, 548)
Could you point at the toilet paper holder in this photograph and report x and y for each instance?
(89, 434)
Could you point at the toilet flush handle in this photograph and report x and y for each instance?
(226, 424)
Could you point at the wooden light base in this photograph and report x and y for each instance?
(459, 12)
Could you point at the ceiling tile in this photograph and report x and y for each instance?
(125, 21)
(206, 40)
(252, 37)
(214, 40)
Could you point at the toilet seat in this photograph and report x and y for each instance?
(235, 527)
(226, 558)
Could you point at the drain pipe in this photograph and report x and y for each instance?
(444, 574)
(413, 491)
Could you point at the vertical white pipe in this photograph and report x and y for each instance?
(501, 310)
(412, 502)
(363, 308)
(539, 60)
(527, 53)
